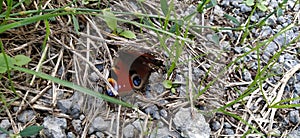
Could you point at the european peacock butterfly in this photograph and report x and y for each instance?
(131, 70)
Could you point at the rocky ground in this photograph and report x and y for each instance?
(226, 81)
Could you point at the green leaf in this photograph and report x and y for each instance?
(216, 39)
(128, 34)
(167, 84)
(4, 131)
(10, 61)
(211, 4)
(110, 19)
(30, 131)
(1, 4)
(262, 7)
(173, 90)
(234, 20)
(164, 6)
(27, 2)
(76, 24)
(119, 30)
(279, 12)
(22, 60)
(3, 69)
(249, 2)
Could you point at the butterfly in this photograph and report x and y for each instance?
(131, 70)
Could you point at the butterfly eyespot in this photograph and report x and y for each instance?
(136, 80)
(114, 84)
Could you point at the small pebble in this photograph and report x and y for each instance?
(297, 88)
(163, 113)
(227, 125)
(228, 131)
(294, 116)
(71, 135)
(247, 76)
(215, 125)
(5, 124)
(128, 131)
(77, 125)
(26, 116)
(55, 127)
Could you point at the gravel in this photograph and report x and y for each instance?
(294, 116)
(26, 116)
(5, 124)
(55, 127)
(99, 124)
(215, 125)
(77, 125)
(192, 127)
(196, 126)
(128, 131)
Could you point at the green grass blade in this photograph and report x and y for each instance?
(73, 86)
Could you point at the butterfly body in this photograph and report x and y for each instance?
(130, 71)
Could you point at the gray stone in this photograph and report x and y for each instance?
(294, 116)
(75, 111)
(225, 45)
(163, 113)
(5, 124)
(228, 131)
(215, 125)
(77, 125)
(244, 8)
(26, 116)
(94, 77)
(227, 125)
(288, 56)
(254, 18)
(160, 124)
(281, 59)
(64, 105)
(153, 111)
(99, 124)
(218, 11)
(179, 77)
(297, 88)
(296, 8)
(273, 4)
(81, 117)
(271, 20)
(247, 58)
(155, 77)
(266, 32)
(288, 64)
(271, 48)
(71, 135)
(225, 3)
(294, 134)
(236, 3)
(246, 76)
(100, 135)
(158, 88)
(277, 68)
(291, 81)
(3, 135)
(138, 124)
(281, 19)
(55, 127)
(238, 50)
(192, 127)
(298, 77)
(163, 133)
(128, 131)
